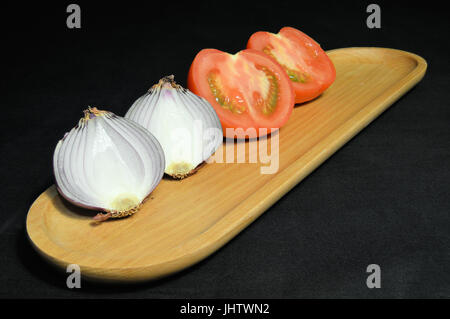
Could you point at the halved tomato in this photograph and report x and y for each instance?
(248, 90)
(307, 65)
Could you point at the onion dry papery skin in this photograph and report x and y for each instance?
(108, 163)
(185, 124)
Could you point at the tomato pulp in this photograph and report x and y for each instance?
(248, 90)
(309, 68)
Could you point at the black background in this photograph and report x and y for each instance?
(383, 198)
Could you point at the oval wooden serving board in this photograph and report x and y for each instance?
(185, 221)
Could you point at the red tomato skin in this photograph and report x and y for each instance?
(303, 92)
(194, 84)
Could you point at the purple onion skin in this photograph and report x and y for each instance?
(67, 198)
(77, 203)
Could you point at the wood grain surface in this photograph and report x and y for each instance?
(185, 221)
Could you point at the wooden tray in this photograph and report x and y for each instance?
(185, 221)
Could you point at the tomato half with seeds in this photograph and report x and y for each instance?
(307, 65)
(248, 90)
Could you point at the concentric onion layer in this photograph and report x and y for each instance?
(108, 163)
(185, 124)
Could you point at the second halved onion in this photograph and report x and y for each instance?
(185, 124)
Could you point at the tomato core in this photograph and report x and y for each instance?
(294, 75)
(268, 104)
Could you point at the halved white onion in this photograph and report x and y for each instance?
(185, 124)
(108, 163)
